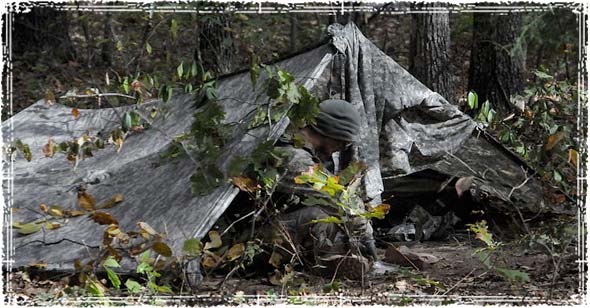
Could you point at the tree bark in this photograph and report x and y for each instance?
(217, 44)
(429, 52)
(108, 47)
(43, 29)
(496, 71)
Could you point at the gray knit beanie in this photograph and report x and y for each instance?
(338, 120)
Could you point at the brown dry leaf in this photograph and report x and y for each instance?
(73, 213)
(162, 249)
(49, 148)
(245, 183)
(275, 259)
(559, 198)
(215, 240)
(113, 230)
(572, 157)
(75, 113)
(49, 98)
(112, 202)
(103, 218)
(235, 252)
(146, 228)
(38, 265)
(553, 140)
(86, 201)
(43, 207)
(209, 260)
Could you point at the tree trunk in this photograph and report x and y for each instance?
(43, 29)
(108, 46)
(496, 69)
(217, 44)
(429, 52)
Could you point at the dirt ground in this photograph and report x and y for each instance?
(459, 277)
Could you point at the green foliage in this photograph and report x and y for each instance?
(339, 194)
(485, 254)
(284, 98)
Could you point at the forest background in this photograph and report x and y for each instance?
(520, 61)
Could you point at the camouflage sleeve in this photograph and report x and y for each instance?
(298, 161)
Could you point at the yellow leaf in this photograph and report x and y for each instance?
(75, 112)
(147, 228)
(112, 202)
(38, 265)
(52, 225)
(55, 211)
(553, 140)
(43, 207)
(215, 240)
(573, 157)
(49, 98)
(86, 201)
(235, 252)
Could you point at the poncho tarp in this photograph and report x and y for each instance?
(406, 127)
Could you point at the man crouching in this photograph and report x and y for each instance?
(329, 236)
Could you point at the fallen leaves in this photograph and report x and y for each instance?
(103, 218)
(214, 240)
(112, 202)
(75, 113)
(162, 249)
(86, 201)
(553, 140)
(50, 148)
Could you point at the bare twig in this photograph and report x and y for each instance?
(235, 222)
(462, 162)
(97, 95)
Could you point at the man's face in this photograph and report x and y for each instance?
(329, 146)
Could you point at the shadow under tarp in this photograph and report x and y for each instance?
(406, 128)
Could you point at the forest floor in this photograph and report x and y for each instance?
(459, 277)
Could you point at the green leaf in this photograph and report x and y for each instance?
(192, 247)
(148, 48)
(513, 275)
(557, 176)
(164, 289)
(111, 262)
(194, 69)
(329, 219)
(29, 228)
(126, 123)
(254, 74)
(113, 277)
(25, 149)
(132, 286)
(472, 100)
(173, 28)
(180, 70)
(542, 75)
(273, 88)
(351, 172)
(143, 268)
